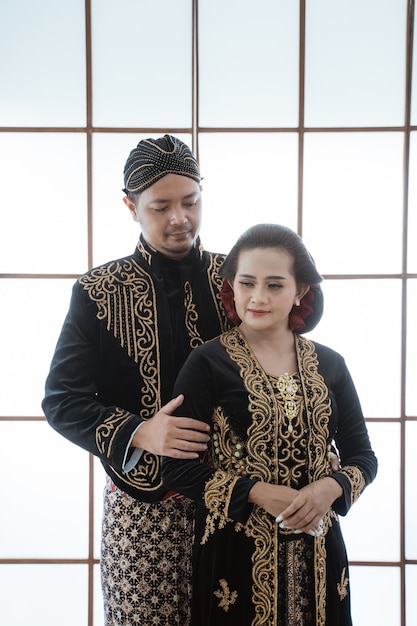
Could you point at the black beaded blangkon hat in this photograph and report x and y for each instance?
(154, 158)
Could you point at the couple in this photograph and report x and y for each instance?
(268, 548)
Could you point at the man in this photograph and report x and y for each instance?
(130, 326)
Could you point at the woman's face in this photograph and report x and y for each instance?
(265, 289)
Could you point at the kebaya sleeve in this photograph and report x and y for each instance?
(358, 461)
(223, 493)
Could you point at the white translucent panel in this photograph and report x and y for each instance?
(376, 596)
(31, 317)
(99, 483)
(247, 179)
(142, 62)
(45, 512)
(366, 538)
(115, 233)
(248, 63)
(43, 199)
(414, 82)
(353, 201)
(412, 203)
(98, 598)
(410, 594)
(44, 595)
(410, 491)
(359, 317)
(42, 65)
(411, 358)
(355, 63)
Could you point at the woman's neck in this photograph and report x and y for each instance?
(275, 351)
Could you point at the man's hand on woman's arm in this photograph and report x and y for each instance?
(167, 435)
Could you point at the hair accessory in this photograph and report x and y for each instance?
(228, 301)
(300, 312)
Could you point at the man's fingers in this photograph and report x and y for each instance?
(182, 454)
(186, 423)
(187, 439)
(168, 435)
(189, 429)
(173, 404)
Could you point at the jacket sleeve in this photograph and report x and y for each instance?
(358, 461)
(222, 493)
(71, 403)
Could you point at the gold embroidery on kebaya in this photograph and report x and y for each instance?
(226, 596)
(356, 479)
(217, 494)
(261, 462)
(292, 435)
(318, 410)
(318, 407)
(264, 532)
(320, 555)
(229, 451)
(342, 586)
(267, 444)
(191, 317)
(288, 388)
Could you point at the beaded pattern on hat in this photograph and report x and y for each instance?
(149, 162)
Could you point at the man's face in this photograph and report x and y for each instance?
(169, 213)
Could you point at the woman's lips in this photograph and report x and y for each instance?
(257, 312)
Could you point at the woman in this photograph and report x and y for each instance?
(268, 547)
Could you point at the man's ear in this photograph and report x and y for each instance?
(132, 207)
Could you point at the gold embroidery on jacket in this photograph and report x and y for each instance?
(106, 432)
(342, 586)
(147, 256)
(226, 596)
(146, 475)
(216, 283)
(125, 298)
(191, 317)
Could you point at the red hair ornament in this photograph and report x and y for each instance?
(299, 313)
